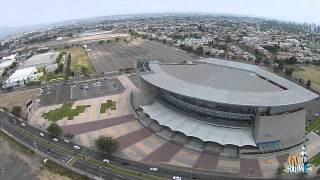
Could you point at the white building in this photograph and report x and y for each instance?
(20, 76)
(5, 64)
(41, 60)
(11, 57)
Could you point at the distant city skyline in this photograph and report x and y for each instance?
(22, 13)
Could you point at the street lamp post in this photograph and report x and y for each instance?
(35, 145)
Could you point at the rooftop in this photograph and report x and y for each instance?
(196, 128)
(5, 64)
(21, 74)
(227, 82)
(41, 59)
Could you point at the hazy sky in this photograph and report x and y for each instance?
(29, 12)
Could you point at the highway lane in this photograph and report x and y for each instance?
(34, 142)
(59, 155)
(99, 171)
(11, 123)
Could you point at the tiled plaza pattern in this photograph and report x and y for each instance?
(163, 146)
(140, 144)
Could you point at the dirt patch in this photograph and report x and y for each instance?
(47, 175)
(16, 164)
(9, 100)
(96, 37)
(309, 72)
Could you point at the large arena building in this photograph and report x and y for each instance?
(225, 102)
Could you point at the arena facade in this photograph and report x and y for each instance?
(225, 102)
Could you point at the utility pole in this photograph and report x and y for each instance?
(35, 145)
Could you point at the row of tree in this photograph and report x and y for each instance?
(103, 143)
(198, 50)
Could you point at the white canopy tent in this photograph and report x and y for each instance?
(196, 128)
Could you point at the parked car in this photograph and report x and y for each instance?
(176, 178)
(106, 161)
(76, 147)
(41, 134)
(55, 139)
(154, 169)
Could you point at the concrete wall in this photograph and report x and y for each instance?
(20, 98)
(284, 127)
(148, 92)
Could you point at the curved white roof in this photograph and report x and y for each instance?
(227, 82)
(202, 130)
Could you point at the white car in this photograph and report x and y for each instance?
(66, 140)
(41, 134)
(106, 161)
(76, 147)
(176, 178)
(316, 114)
(23, 124)
(55, 139)
(154, 169)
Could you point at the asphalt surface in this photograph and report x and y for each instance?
(61, 93)
(57, 83)
(116, 56)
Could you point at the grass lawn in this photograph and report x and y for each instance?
(314, 125)
(315, 160)
(79, 58)
(313, 46)
(49, 77)
(15, 145)
(309, 72)
(108, 105)
(317, 131)
(64, 111)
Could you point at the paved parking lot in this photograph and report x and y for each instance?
(58, 94)
(106, 58)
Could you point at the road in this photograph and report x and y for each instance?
(65, 152)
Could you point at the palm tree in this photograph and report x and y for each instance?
(107, 144)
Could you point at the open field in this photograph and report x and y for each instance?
(314, 125)
(309, 72)
(79, 59)
(96, 37)
(315, 160)
(116, 56)
(10, 100)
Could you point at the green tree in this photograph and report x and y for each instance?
(84, 70)
(54, 129)
(69, 136)
(280, 170)
(308, 84)
(107, 144)
(16, 110)
(68, 66)
(199, 51)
